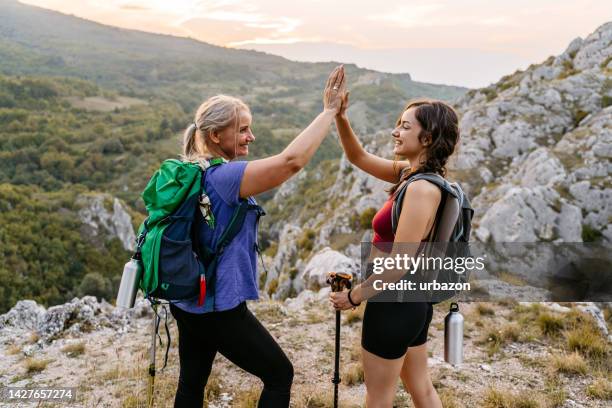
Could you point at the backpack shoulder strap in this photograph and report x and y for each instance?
(236, 223)
(238, 216)
(446, 188)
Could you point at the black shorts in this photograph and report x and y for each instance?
(390, 328)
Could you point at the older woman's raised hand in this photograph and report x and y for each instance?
(334, 90)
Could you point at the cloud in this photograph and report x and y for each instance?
(529, 29)
(234, 13)
(133, 7)
(410, 15)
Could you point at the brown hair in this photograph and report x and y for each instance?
(440, 122)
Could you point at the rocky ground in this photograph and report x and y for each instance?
(516, 355)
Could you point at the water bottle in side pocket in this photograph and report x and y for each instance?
(132, 272)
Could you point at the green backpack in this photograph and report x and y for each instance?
(176, 266)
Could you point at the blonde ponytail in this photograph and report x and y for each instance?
(214, 115)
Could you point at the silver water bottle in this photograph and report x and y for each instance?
(453, 336)
(128, 288)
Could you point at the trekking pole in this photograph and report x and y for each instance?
(154, 327)
(338, 282)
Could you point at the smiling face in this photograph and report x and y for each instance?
(234, 142)
(406, 136)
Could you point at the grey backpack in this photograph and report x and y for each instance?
(451, 229)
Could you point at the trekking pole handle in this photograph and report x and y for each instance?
(339, 281)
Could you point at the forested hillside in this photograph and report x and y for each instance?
(87, 110)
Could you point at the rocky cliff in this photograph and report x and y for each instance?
(102, 214)
(534, 158)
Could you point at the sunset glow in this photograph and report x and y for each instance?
(512, 33)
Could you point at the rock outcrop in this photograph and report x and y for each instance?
(102, 213)
(77, 316)
(325, 261)
(544, 137)
(534, 158)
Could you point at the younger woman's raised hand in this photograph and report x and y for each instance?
(345, 103)
(334, 90)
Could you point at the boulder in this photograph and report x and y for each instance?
(26, 315)
(325, 261)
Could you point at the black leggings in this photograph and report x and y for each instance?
(241, 338)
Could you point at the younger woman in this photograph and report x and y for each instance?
(394, 335)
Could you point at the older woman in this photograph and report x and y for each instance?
(222, 129)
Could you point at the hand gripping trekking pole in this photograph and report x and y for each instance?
(338, 282)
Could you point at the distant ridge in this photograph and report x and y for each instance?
(36, 41)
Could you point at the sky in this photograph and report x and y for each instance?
(459, 42)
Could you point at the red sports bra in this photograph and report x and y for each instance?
(381, 223)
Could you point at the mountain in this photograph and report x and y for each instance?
(471, 67)
(87, 114)
(534, 158)
(42, 42)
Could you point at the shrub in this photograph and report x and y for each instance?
(590, 234)
(568, 70)
(569, 364)
(74, 349)
(353, 374)
(94, 284)
(449, 399)
(355, 315)
(33, 366)
(213, 387)
(112, 146)
(490, 93)
(306, 241)
(365, 218)
(495, 398)
(579, 115)
(511, 332)
(601, 389)
(484, 310)
(588, 342)
(272, 287)
(247, 399)
(550, 324)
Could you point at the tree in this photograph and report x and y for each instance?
(96, 285)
